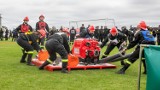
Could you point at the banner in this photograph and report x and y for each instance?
(152, 55)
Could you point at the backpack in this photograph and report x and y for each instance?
(147, 36)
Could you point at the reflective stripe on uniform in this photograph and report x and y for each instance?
(42, 46)
(49, 60)
(105, 55)
(128, 62)
(64, 60)
(30, 42)
(29, 32)
(30, 52)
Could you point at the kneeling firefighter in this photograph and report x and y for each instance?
(57, 43)
(28, 41)
(142, 36)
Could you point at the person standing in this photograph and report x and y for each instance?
(72, 34)
(24, 27)
(42, 25)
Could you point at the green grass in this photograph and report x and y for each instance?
(17, 76)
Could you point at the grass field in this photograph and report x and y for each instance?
(17, 76)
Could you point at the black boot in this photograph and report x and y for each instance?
(64, 67)
(144, 65)
(29, 60)
(23, 58)
(122, 63)
(43, 65)
(122, 70)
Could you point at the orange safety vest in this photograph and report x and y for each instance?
(24, 28)
(42, 25)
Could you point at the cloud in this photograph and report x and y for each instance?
(60, 12)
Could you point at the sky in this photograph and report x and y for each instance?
(61, 12)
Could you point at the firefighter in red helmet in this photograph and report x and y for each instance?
(25, 27)
(42, 25)
(115, 38)
(28, 41)
(142, 36)
(88, 33)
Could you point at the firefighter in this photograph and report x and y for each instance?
(142, 36)
(72, 34)
(41, 25)
(28, 41)
(89, 33)
(57, 43)
(128, 33)
(25, 27)
(115, 38)
(53, 30)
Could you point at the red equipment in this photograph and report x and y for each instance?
(87, 50)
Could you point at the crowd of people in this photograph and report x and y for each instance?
(56, 40)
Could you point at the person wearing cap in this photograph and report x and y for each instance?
(42, 25)
(24, 27)
(89, 33)
(142, 36)
(115, 38)
(28, 41)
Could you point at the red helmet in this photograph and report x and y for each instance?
(91, 28)
(143, 25)
(41, 16)
(26, 19)
(113, 31)
(42, 32)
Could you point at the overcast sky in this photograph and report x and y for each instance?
(60, 12)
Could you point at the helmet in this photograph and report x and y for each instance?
(41, 16)
(26, 19)
(91, 28)
(143, 25)
(113, 31)
(42, 32)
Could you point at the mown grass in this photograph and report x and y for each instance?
(17, 76)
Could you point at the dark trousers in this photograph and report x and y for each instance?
(24, 44)
(110, 47)
(53, 47)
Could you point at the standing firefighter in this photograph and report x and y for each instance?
(57, 43)
(25, 27)
(115, 38)
(41, 25)
(72, 34)
(28, 41)
(142, 36)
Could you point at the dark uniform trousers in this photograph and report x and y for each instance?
(27, 50)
